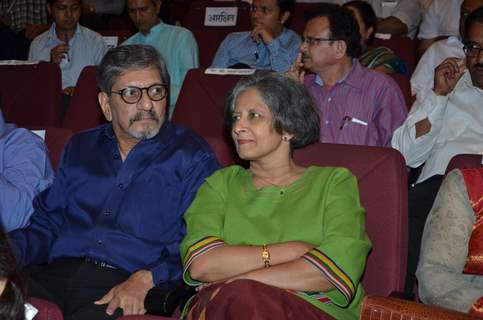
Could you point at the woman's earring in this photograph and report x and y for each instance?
(285, 138)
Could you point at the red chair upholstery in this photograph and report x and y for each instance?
(84, 111)
(297, 21)
(47, 310)
(200, 107)
(30, 94)
(143, 318)
(464, 161)
(195, 17)
(405, 86)
(209, 38)
(382, 177)
(404, 47)
(56, 139)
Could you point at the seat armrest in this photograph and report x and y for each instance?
(379, 308)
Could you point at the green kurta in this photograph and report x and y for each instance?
(322, 207)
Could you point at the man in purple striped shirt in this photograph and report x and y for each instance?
(357, 105)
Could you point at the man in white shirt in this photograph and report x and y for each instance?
(423, 76)
(440, 20)
(443, 122)
(402, 20)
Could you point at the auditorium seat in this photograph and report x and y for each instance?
(56, 139)
(405, 86)
(297, 21)
(404, 47)
(46, 309)
(464, 161)
(200, 107)
(382, 177)
(209, 38)
(30, 94)
(384, 308)
(84, 111)
(195, 17)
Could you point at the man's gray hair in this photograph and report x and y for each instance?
(290, 103)
(129, 57)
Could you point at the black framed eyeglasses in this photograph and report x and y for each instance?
(131, 95)
(311, 41)
(472, 50)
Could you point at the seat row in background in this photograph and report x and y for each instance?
(192, 17)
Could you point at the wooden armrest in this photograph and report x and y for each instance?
(381, 308)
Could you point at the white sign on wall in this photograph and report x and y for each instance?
(220, 16)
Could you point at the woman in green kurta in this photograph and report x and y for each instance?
(280, 224)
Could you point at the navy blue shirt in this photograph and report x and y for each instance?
(128, 214)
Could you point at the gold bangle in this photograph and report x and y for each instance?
(265, 256)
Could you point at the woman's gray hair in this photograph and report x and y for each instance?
(129, 57)
(289, 101)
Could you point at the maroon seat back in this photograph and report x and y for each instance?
(382, 178)
(403, 47)
(209, 38)
(297, 21)
(30, 94)
(84, 111)
(46, 309)
(56, 139)
(195, 17)
(405, 86)
(200, 106)
(464, 161)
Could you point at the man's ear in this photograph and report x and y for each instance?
(341, 49)
(103, 99)
(157, 5)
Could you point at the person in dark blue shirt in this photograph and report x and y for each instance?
(109, 227)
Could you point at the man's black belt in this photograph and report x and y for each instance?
(99, 263)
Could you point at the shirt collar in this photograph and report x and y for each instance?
(351, 78)
(155, 29)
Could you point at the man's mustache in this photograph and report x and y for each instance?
(144, 115)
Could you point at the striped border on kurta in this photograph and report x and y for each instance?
(332, 271)
(201, 246)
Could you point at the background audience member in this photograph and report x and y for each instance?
(380, 59)
(442, 123)
(423, 76)
(108, 228)
(175, 44)
(20, 22)
(12, 289)
(439, 21)
(25, 171)
(276, 233)
(403, 20)
(450, 268)
(67, 43)
(356, 105)
(269, 46)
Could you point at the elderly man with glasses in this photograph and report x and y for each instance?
(108, 229)
(444, 121)
(357, 105)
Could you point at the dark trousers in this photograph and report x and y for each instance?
(74, 285)
(421, 198)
